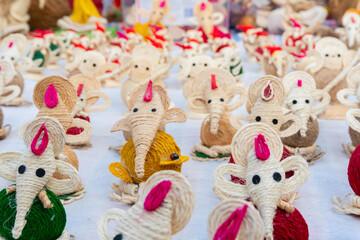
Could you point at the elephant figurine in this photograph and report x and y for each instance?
(164, 208)
(297, 40)
(350, 33)
(88, 62)
(39, 55)
(148, 149)
(14, 17)
(329, 63)
(266, 97)
(56, 97)
(350, 203)
(240, 216)
(11, 84)
(88, 91)
(214, 92)
(276, 61)
(343, 95)
(301, 94)
(257, 152)
(36, 208)
(14, 48)
(4, 129)
(192, 44)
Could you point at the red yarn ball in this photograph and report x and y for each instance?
(354, 171)
(76, 130)
(290, 226)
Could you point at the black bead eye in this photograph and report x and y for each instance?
(118, 237)
(307, 101)
(275, 121)
(22, 169)
(94, 65)
(153, 110)
(326, 55)
(277, 176)
(147, 69)
(258, 119)
(209, 101)
(294, 102)
(188, 76)
(221, 99)
(84, 61)
(136, 66)
(13, 58)
(194, 64)
(256, 179)
(205, 64)
(81, 99)
(174, 156)
(135, 110)
(339, 55)
(40, 172)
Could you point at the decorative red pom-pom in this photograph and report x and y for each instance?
(354, 171)
(290, 226)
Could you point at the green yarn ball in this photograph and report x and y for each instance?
(42, 224)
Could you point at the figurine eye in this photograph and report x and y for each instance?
(339, 55)
(84, 61)
(12, 58)
(275, 121)
(147, 69)
(118, 237)
(194, 64)
(326, 55)
(277, 176)
(221, 100)
(94, 65)
(22, 169)
(40, 172)
(233, 59)
(174, 156)
(294, 102)
(205, 64)
(209, 101)
(136, 66)
(153, 110)
(307, 101)
(258, 119)
(81, 99)
(135, 110)
(256, 179)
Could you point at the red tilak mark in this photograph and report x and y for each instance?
(273, 49)
(202, 6)
(244, 28)
(51, 97)
(262, 150)
(230, 228)
(352, 19)
(299, 83)
(154, 43)
(44, 141)
(162, 4)
(213, 82)
(149, 93)
(268, 92)
(295, 23)
(99, 27)
(184, 47)
(11, 44)
(80, 89)
(157, 195)
(121, 35)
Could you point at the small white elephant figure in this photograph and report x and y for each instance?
(301, 93)
(214, 94)
(350, 32)
(276, 61)
(257, 152)
(14, 48)
(33, 172)
(164, 208)
(240, 216)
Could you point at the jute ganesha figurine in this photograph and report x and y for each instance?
(350, 33)
(266, 97)
(13, 49)
(164, 208)
(344, 96)
(56, 97)
(257, 152)
(328, 64)
(350, 203)
(35, 211)
(214, 91)
(301, 93)
(4, 129)
(235, 219)
(14, 17)
(88, 90)
(11, 85)
(148, 149)
(276, 61)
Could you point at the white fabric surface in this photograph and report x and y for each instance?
(328, 177)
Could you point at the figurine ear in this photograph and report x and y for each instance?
(174, 115)
(9, 161)
(218, 18)
(64, 186)
(121, 125)
(300, 166)
(348, 56)
(197, 104)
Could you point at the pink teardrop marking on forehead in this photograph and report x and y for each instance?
(202, 6)
(157, 195)
(149, 92)
(44, 141)
(162, 4)
(213, 82)
(268, 92)
(352, 19)
(11, 44)
(51, 97)
(229, 229)
(262, 150)
(295, 23)
(299, 83)
(80, 89)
